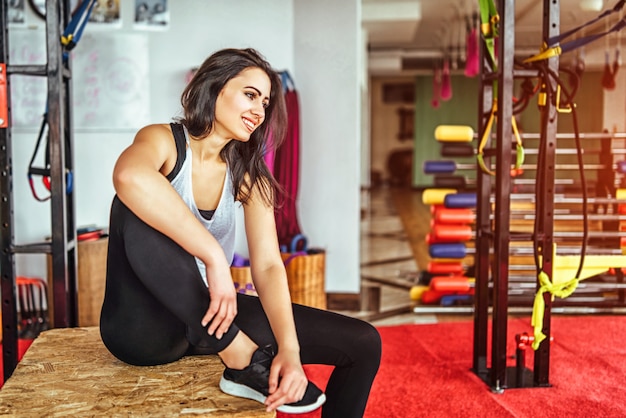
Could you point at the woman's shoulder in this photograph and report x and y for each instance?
(158, 131)
(158, 140)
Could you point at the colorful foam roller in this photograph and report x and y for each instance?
(451, 250)
(453, 300)
(451, 233)
(452, 149)
(457, 284)
(436, 196)
(439, 167)
(454, 133)
(457, 182)
(454, 216)
(442, 268)
(460, 200)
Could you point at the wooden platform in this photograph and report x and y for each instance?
(69, 372)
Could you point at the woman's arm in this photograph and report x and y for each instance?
(270, 281)
(140, 183)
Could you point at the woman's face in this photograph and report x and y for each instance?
(240, 106)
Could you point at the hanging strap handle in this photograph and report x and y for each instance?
(553, 50)
(74, 30)
(489, 26)
(520, 154)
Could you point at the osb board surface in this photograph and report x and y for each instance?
(69, 372)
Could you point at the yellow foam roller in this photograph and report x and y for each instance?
(416, 292)
(454, 133)
(435, 196)
(620, 194)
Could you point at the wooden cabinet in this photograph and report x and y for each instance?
(92, 256)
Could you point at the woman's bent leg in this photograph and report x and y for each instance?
(351, 345)
(155, 297)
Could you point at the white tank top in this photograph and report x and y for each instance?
(223, 222)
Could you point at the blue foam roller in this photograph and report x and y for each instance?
(450, 250)
(439, 167)
(452, 300)
(460, 200)
(621, 167)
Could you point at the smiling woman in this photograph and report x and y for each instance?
(169, 291)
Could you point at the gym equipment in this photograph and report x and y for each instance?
(442, 267)
(454, 133)
(451, 233)
(436, 196)
(459, 284)
(450, 166)
(449, 250)
(456, 149)
(454, 216)
(416, 292)
(460, 200)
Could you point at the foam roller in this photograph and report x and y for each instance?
(457, 182)
(435, 208)
(621, 167)
(453, 300)
(439, 167)
(454, 216)
(458, 284)
(460, 200)
(454, 133)
(448, 250)
(435, 196)
(441, 268)
(451, 233)
(430, 297)
(453, 149)
(620, 194)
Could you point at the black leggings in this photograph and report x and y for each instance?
(155, 299)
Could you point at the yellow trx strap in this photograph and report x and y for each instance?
(561, 290)
(519, 160)
(545, 54)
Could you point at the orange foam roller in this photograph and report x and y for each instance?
(435, 208)
(451, 233)
(446, 284)
(454, 133)
(445, 268)
(436, 196)
(454, 216)
(430, 297)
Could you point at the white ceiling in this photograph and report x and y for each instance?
(427, 28)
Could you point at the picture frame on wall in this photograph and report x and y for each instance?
(105, 13)
(151, 15)
(15, 11)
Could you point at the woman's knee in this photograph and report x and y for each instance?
(369, 342)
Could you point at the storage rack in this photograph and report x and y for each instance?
(62, 247)
(498, 377)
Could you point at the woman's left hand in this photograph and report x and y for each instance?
(287, 382)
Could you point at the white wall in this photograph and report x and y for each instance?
(329, 192)
(327, 69)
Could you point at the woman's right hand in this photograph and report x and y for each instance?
(223, 306)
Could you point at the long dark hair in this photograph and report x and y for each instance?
(198, 101)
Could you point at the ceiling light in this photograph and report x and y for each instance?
(591, 5)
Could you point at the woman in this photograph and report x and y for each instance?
(172, 237)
